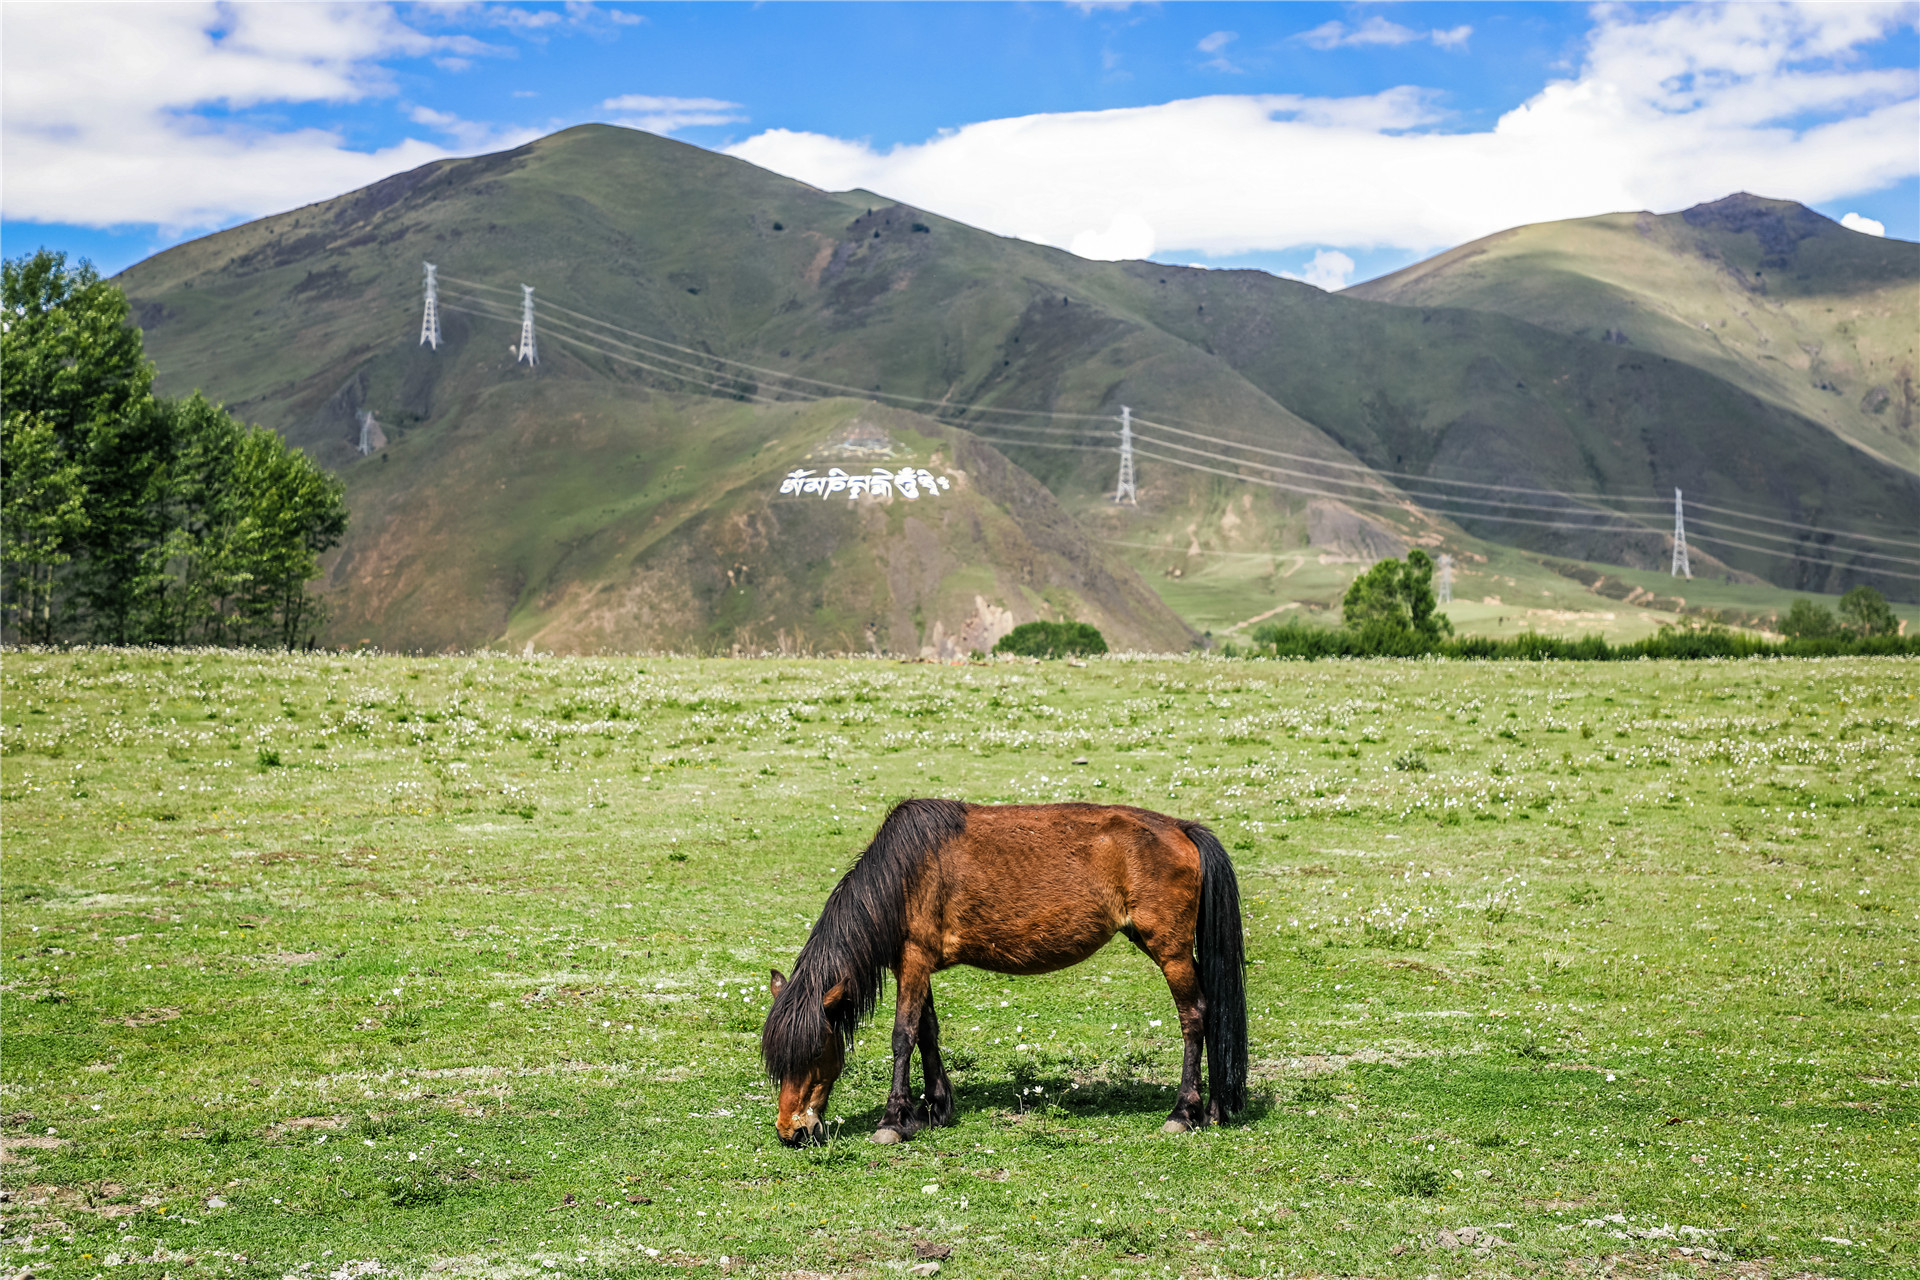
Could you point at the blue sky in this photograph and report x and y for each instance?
(1329, 141)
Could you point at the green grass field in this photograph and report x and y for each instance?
(333, 966)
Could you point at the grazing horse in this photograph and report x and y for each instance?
(1026, 888)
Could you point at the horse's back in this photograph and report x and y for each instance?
(1032, 888)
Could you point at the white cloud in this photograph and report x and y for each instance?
(1216, 45)
(98, 102)
(1379, 31)
(665, 115)
(1127, 236)
(1329, 270)
(468, 135)
(1667, 109)
(1864, 225)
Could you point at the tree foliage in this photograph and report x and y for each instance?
(1865, 612)
(135, 520)
(1393, 603)
(1052, 640)
(1806, 620)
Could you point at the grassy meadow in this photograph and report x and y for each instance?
(345, 965)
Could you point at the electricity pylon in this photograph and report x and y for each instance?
(527, 350)
(1681, 569)
(430, 322)
(1124, 490)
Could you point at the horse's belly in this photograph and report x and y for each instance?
(1029, 941)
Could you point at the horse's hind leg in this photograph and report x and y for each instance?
(1176, 963)
(938, 1108)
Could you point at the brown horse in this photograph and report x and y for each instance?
(1013, 889)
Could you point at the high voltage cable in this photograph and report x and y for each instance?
(613, 355)
(863, 392)
(1308, 475)
(949, 409)
(1232, 444)
(1379, 502)
(1528, 506)
(1508, 488)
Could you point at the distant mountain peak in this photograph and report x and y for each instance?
(1780, 224)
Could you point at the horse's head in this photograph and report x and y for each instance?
(805, 1054)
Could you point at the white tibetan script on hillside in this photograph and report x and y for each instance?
(909, 482)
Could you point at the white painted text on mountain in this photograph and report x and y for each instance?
(909, 482)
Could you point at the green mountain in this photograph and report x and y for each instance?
(1765, 294)
(624, 493)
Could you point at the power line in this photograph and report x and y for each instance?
(1509, 504)
(863, 392)
(946, 408)
(1541, 524)
(1509, 488)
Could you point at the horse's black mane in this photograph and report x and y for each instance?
(857, 938)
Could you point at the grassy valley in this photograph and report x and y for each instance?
(455, 967)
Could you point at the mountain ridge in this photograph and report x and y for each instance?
(1739, 287)
(305, 320)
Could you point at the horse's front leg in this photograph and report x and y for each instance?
(898, 1122)
(938, 1108)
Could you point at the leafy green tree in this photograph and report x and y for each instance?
(1052, 640)
(1806, 620)
(290, 512)
(1392, 606)
(42, 515)
(70, 358)
(248, 519)
(1865, 612)
(134, 520)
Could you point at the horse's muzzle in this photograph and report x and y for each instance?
(804, 1135)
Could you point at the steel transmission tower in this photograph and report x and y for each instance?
(1681, 569)
(527, 351)
(1124, 490)
(430, 322)
(1445, 593)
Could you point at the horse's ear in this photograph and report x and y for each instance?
(775, 983)
(834, 996)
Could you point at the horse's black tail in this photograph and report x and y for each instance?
(1223, 977)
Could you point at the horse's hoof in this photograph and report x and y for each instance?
(887, 1137)
(1175, 1126)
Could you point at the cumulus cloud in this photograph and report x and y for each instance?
(1379, 31)
(98, 108)
(1666, 109)
(665, 115)
(1329, 270)
(1864, 225)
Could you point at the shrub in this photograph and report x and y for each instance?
(1393, 606)
(1864, 612)
(1808, 621)
(1052, 640)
